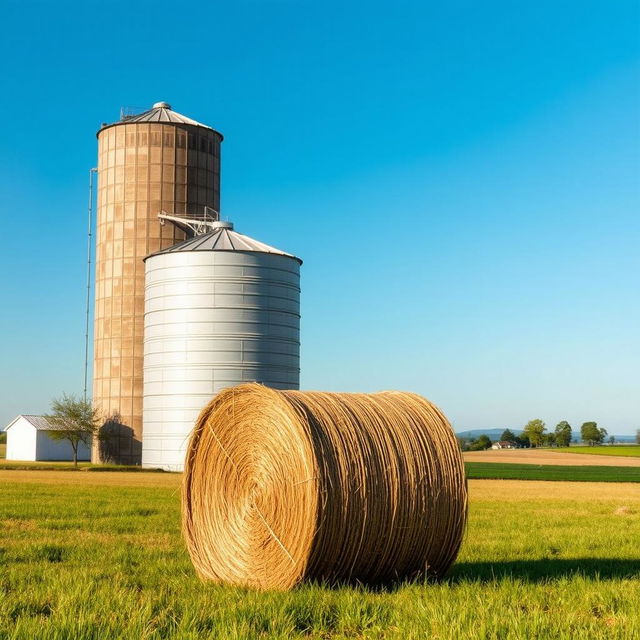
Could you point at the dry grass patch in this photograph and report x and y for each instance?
(93, 479)
(548, 457)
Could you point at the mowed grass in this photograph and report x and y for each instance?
(631, 450)
(99, 556)
(26, 465)
(507, 471)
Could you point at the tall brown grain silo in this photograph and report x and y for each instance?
(156, 161)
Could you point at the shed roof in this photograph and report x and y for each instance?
(39, 422)
(224, 238)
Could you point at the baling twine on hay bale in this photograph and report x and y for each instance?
(282, 486)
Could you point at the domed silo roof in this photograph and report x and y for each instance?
(222, 237)
(160, 112)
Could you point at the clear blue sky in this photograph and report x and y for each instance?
(460, 178)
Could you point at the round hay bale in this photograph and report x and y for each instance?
(281, 486)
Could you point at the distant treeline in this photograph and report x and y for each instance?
(535, 434)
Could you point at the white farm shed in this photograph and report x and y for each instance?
(28, 439)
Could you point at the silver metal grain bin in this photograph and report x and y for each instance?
(220, 309)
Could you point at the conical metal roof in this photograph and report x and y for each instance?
(223, 238)
(160, 112)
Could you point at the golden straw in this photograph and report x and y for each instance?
(282, 486)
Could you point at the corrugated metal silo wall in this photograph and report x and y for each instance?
(213, 319)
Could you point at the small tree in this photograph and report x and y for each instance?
(534, 430)
(638, 436)
(591, 434)
(612, 439)
(483, 442)
(563, 433)
(73, 420)
(549, 439)
(507, 436)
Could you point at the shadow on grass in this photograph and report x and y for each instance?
(544, 569)
(531, 571)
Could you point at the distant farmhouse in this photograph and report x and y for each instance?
(28, 440)
(504, 445)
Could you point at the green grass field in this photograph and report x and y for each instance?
(620, 450)
(99, 556)
(507, 471)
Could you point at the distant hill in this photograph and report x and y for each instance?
(494, 434)
(625, 438)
